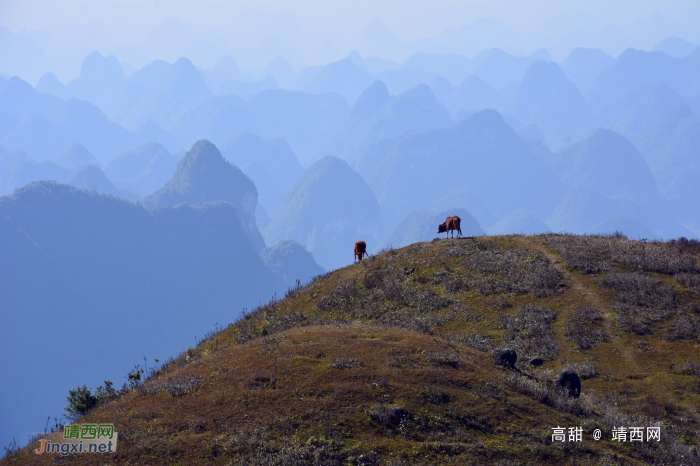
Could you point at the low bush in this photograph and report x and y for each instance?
(401, 361)
(684, 245)
(546, 392)
(388, 416)
(346, 363)
(599, 253)
(433, 395)
(581, 328)
(443, 358)
(584, 370)
(529, 332)
(683, 327)
(641, 300)
(262, 383)
(488, 391)
(473, 340)
(691, 280)
(175, 386)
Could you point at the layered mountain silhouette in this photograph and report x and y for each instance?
(135, 89)
(291, 263)
(675, 47)
(130, 281)
(329, 209)
(10, 157)
(542, 79)
(499, 68)
(494, 66)
(245, 89)
(100, 78)
(49, 84)
(422, 225)
(143, 170)
(342, 77)
(224, 69)
(22, 169)
(669, 143)
(376, 116)
(547, 98)
(371, 157)
(76, 156)
(670, 146)
(618, 183)
(306, 121)
(270, 194)
(633, 67)
(647, 109)
(103, 84)
(584, 209)
(472, 93)
(18, 97)
(89, 126)
(481, 152)
(91, 178)
(280, 69)
(203, 175)
(274, 155)
(50, 125)
(520, 222)
(179, 90)
(583, 66)
(606, 161)
(402, 79)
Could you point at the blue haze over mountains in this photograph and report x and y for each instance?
(146, 203)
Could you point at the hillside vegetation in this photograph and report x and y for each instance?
(387, 362)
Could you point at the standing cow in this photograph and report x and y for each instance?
(450, 225)
(360, 250)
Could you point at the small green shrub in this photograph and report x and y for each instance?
(80, 401)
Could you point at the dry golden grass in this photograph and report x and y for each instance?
(386, 362)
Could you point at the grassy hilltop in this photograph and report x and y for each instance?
(388, 362)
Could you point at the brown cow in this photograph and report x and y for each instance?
(451, 224)
(360, 250)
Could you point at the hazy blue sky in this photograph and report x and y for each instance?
(61, 33)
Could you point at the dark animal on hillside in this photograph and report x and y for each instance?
(569, 380)
(360, 250)
(536, 361)
(505, 357)
(450, 225)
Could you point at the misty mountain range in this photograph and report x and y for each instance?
(204, 191)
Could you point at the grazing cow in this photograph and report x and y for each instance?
(450, 225)
(360, 250)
